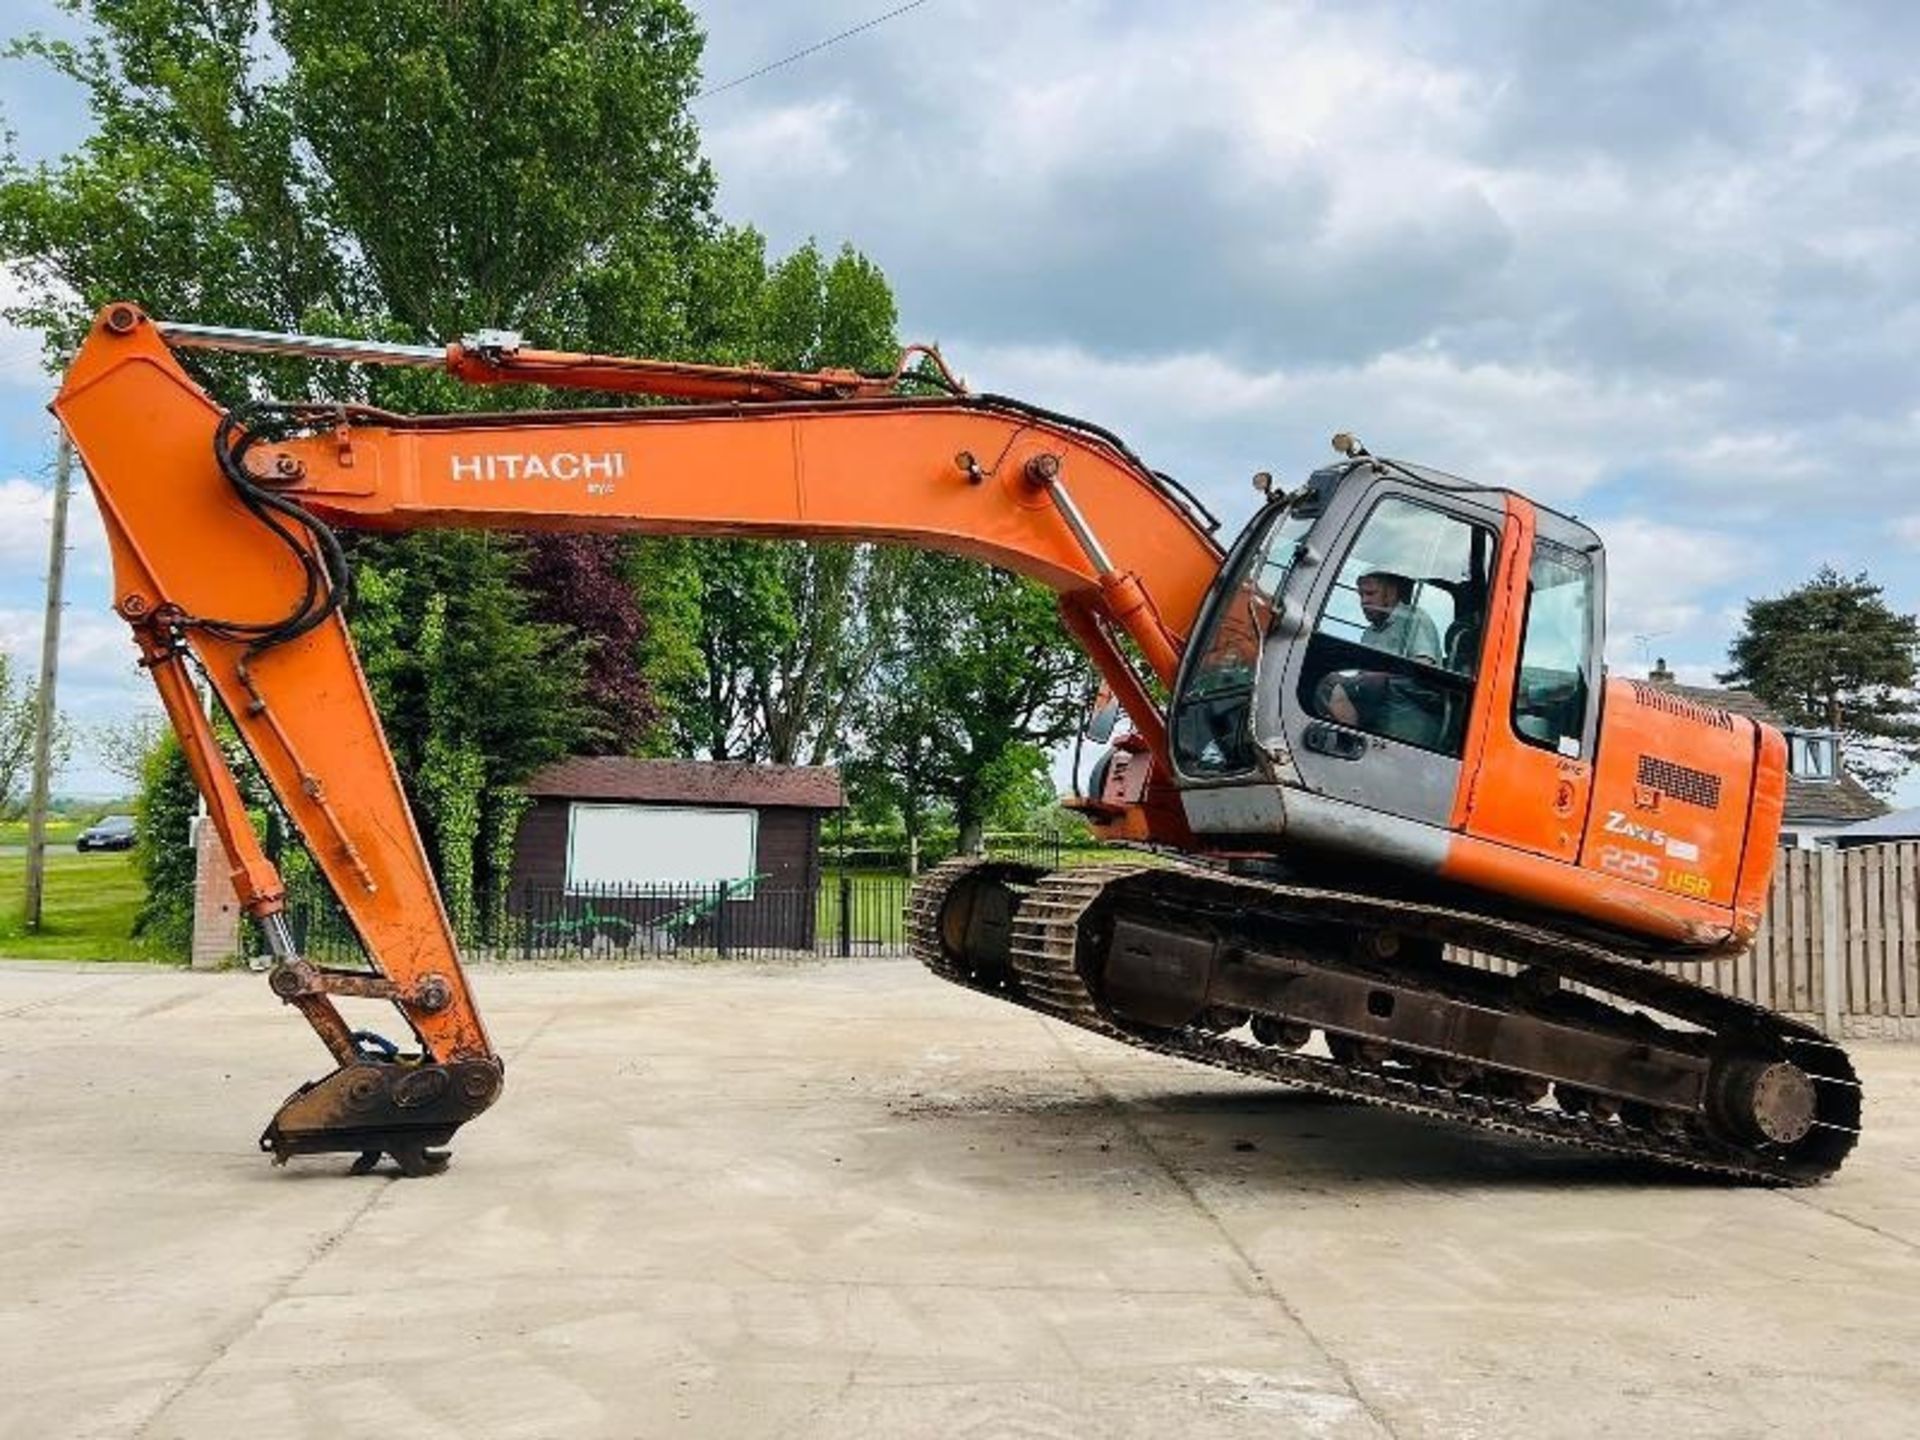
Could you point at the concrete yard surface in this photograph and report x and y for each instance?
(843, 1199)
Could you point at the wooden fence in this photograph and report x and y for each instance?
(1841, 942)
(1840, 945)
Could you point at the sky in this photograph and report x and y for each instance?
(1653, 264)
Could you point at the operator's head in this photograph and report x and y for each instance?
(1380, 591)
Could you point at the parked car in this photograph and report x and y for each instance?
(112, 832)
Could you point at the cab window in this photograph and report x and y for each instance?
(1397, 644)
(1212, 725)
(1551, 691)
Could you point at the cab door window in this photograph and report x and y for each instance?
(1212, 729)
(1397, 644)
(1550, 693)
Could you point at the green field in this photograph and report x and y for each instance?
(60, 831)
(88, 910)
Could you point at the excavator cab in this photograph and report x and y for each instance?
(1338, 692)
(1404, 669)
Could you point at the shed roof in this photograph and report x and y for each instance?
(688, 782)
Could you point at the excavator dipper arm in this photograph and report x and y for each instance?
(224, 561)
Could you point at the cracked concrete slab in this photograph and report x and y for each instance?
(843, 1199)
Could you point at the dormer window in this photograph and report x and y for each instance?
(1812, 755)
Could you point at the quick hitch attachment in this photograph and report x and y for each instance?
(378, 1102)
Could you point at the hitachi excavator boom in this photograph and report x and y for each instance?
(1358, 796)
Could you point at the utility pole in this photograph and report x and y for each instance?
(43, 698)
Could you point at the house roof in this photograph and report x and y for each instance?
(1809, 802)
(688, 782)
(1830, 802)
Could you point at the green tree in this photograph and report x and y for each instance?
(162, 852)
(417, 170)
(414, 169)
(781, 630)
(668, 585)
(19, 721)
(978, 682)
(123, 746)
(456, 662)
(1831, 653)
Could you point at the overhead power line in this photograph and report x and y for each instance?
(814, 48)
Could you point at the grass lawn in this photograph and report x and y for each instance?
(87, 913)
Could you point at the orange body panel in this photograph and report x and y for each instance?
(1674, 811)
(1766, 809)
(1518, 795)
(1675, 850)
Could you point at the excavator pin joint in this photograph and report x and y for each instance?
(433, 994)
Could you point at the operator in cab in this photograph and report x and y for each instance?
(1378, 701)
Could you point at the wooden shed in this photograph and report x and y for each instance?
(611, 825)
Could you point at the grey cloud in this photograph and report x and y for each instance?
(1202, 241)
(1639, 79)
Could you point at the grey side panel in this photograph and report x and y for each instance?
(1389, 776)
(1254, 808)
(1290, 818)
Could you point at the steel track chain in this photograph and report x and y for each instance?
(1046, 962)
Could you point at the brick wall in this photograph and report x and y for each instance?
(216, 908)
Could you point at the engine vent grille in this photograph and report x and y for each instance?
(1682, 782)
(1656, 698)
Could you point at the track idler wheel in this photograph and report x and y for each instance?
(1447, 1073)
(1356, 1053)
(1282, 1034)
(1765, 1102)
(402, 1108)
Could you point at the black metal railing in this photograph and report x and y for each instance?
(1047, 849)
(843, 915)
(856, 906)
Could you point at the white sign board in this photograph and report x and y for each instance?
(631, 845)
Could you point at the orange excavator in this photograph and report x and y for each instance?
(1399, 837)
